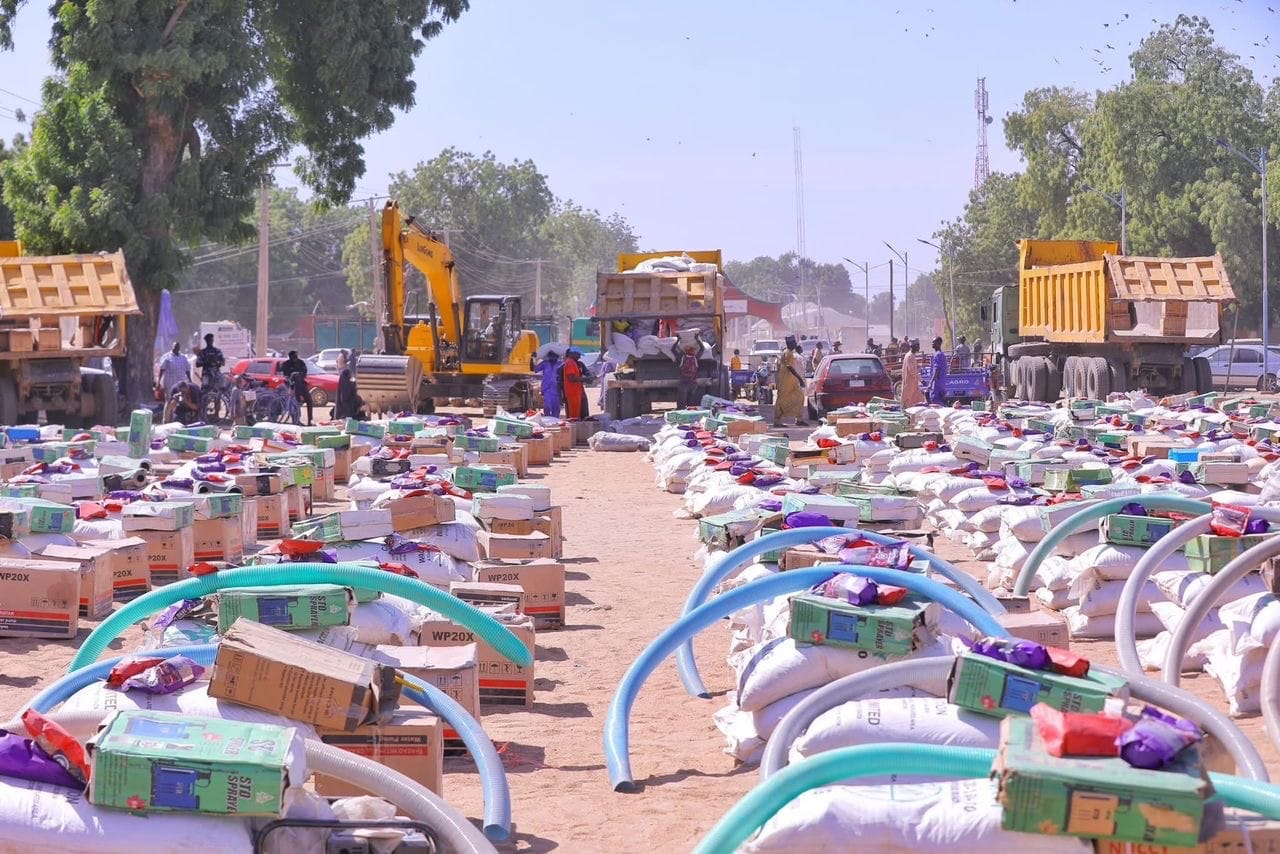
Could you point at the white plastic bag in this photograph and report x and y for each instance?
(924, 720)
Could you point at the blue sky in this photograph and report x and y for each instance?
(679, 115)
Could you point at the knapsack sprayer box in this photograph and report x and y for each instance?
(1210, 552)
(218, 540)
(169, 554)
(412, 743)
(997, 688)
(265, 668)
(39, 598)
(130, 577)
(884, 629)
(291, 608)
(502, 682)
(515, 546)
(420, 511)
(542, 582)
(452, 670)
(95, 575)
(1124, 530)
(166, 762)
(1097, 797)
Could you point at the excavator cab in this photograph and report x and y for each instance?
(492, 326)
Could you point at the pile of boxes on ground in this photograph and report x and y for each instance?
(98, 517)
(997, 481)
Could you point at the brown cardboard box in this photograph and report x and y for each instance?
(220, 540)
(489, 594)
(584, 430)
(1016, 604)
(259, 484)
(1047, 628)
(519, 547)
(169, 554)
(39, 598)
(502, 682)
(130, 577)
(264, 668)
(273, 516)
(854, 426)
(540, 450)
(1152, 445)
(801, 557)
(412, 742)
(745, 427)
(548, 523)
(298, 499)
(1244, 833)
(561, 438)
(542, 582)
(323, 488)
(452, 670)
(342, 459)
(420, 511)
(249, 524)
(95, 575)
(515, 459)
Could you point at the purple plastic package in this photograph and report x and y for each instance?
(1155, 739)
(166, 677)
(850, 588)
(1022, 653)
(23, 759)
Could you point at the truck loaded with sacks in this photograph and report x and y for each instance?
(1085, 321)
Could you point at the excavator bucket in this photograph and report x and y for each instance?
(389, 383)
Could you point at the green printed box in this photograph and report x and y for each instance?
(183, 443)
(325, 529)
(50, 451)
(884, 629)
(510, 427)
(1097, 797)
(20, 490)
(150, 762)
(778, 453)
(204, 431)
(311, 434)
(685, 416)
(997, 688)
(305, 606)
(334, 441)
(364, 428)
(1210, 552)
(244, 432)
(1125, 530)
(1070, 480)
(14, 523)
(140, 433)
(479, 444)
(403, 426)
(475, 478)
(729, 529)
(1034, 471)
(47, 517)
(218, 505)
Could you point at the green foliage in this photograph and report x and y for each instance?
(171, 114)
(8, 152)
(580, 242)
(778, 279)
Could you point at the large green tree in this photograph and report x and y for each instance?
(778, 280)
(579, 242)
(168, 115)
(7, 152)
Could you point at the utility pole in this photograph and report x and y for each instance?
(264, 267)
(1122, 202)
(375, 276)
(537, 286)
(865, 267)
(890, 299)
(1260, 166)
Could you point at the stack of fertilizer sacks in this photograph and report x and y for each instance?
(93, 519)
(997, 482)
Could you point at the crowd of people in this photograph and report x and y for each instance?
(563, 383)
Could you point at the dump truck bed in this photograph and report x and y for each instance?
(1083, 292)
(655, 296)
(65, 285)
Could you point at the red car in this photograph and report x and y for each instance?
(321, 386)
(846, 378)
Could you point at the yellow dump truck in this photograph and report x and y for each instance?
(60, 317)
(1085, 321)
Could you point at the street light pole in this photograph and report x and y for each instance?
(951, 280)
(1260, 166)
(1122, 202)
(865, 267)
(906, 288)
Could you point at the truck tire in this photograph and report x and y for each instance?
(1119, 376)
(1032, 348)
(1079, 374)
(1188, 383)
(1053, 389)
(1069, 376)
(1037, 378)
(1097, 380)
(8, 402)
(106, 401)
(1015, 369)
(1204, 375)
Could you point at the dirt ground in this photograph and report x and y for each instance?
(629, 571)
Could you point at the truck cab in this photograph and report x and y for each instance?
(1001, 316)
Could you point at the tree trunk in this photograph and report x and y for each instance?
(140, 346)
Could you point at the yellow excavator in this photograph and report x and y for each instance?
(473, 347)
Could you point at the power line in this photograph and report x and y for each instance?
(19, 97)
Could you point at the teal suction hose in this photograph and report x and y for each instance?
(1087, 514)
(493, 776)
(868, 760)
(347, 574)
(687, 665)
(617, 723)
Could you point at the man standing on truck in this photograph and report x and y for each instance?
(210, 362)
(938, 373)
(963, 353)
(687, 397)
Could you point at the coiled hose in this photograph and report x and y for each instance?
(687, 665)
(867, 760)
(1213, 591)
(417, 801)
(1087, 514)
(347, 574)
(914, 672)
(617, 723)
(493, 776)
(1271, 693)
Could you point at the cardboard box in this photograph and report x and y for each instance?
(884, 629)
(95, 575)
(218, 505)
(291, 608)
(729, 530)
(745, 427)
(249, 523)
(323, 488)
(218, 540)
(420, 511)
(541, 450)
(45, 517)
(1211, 552)
(157, 515)
(510, 458)
(514, 546)
(996, 688)
(482, 478)
(1014, 604)
(542, 582)
(412, 743)
(130, 577)
(39, 598)
(342, 460)
(561, 438)
(479, 444)
(1047, 628)
(854, 426)
(272, 516)
(1245, 833)
(1123, 530)
(169, 554)
(158, 762)
(1070, 480)
(252, 485)
(298, 500)
(1096, 797)
(502, 682)
(271, 670)
(800, 557)
(452, 670)
(346, 526)
(489, 594)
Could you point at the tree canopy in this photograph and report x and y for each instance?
(168, 116)
(778, 280)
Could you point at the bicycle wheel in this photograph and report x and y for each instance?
(215, 408)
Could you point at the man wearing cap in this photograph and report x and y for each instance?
(790, 386)
(937, 373)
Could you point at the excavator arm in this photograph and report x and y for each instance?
(404, 241)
